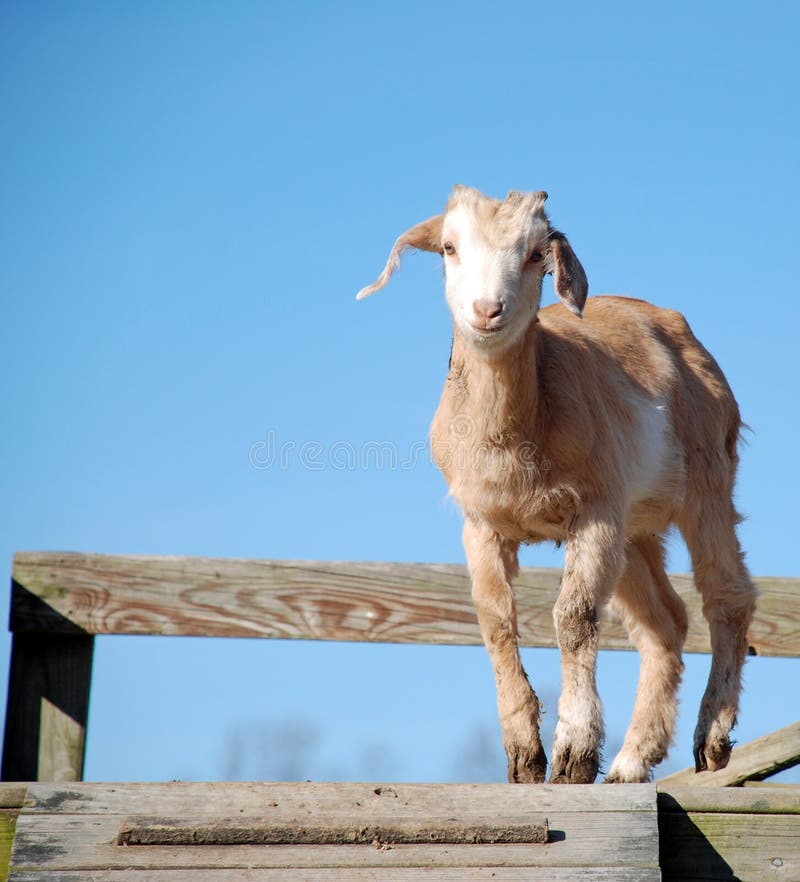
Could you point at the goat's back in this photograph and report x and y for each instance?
(624, 348)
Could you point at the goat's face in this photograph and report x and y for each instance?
(495, 255)
(494, 258)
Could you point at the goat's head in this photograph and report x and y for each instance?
(495, 256)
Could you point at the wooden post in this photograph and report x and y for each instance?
(48, 704)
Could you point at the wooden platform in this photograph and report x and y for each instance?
(397, 832)
(71, 831)
(682, 829)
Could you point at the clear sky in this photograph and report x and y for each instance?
(190, 196)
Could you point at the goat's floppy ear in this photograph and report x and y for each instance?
(569, 277)
(426, 236)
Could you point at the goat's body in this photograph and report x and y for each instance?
(616, 426)
(601, 432)
(585, 411)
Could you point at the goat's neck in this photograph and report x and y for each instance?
(500, 395)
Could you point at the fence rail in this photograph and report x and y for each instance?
(314, 600)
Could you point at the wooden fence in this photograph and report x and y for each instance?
(683, 829)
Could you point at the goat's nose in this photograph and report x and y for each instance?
(487, 309)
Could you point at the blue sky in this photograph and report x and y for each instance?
(191, 195)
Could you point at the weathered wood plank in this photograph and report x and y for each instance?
(48, 705)
(718, 846)
(742, 800)
(73, 828)
(752, 761)
(376, 874)
(729, 833)
(398, 603)
(579, 839)
(470, 802)
(246, 598)
(771, 785)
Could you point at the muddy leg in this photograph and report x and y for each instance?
(493, 564)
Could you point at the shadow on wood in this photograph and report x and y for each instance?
(684, 852)
(48, 694)
(716, 834)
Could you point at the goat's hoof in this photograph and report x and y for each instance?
(619, 778)
(713, 755)
(633, 768)
(526, 765)
(578, 769)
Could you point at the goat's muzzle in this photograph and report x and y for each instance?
(487, 314)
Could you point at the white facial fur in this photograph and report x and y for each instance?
(491, 266)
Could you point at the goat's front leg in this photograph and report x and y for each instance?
(594, 561)
(493, 564)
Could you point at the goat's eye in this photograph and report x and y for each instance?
(449, 248)
(535, 256)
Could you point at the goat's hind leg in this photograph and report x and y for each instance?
(493, 564)
(655, 618)
(729, 599)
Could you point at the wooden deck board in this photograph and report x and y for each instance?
(74, 828)
(89, 844)
(728, 833)
(630, 833)
(376, 799)
(761, 800)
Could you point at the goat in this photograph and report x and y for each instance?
(601, 425)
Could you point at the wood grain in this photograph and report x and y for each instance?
(394, 603)
(752, 761)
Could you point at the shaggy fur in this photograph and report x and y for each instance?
(600, 425)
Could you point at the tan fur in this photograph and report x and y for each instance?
(600, 432)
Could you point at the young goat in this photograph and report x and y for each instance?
(599, 425)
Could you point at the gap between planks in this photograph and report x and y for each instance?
(382, 874)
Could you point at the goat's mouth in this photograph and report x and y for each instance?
(486, 330)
